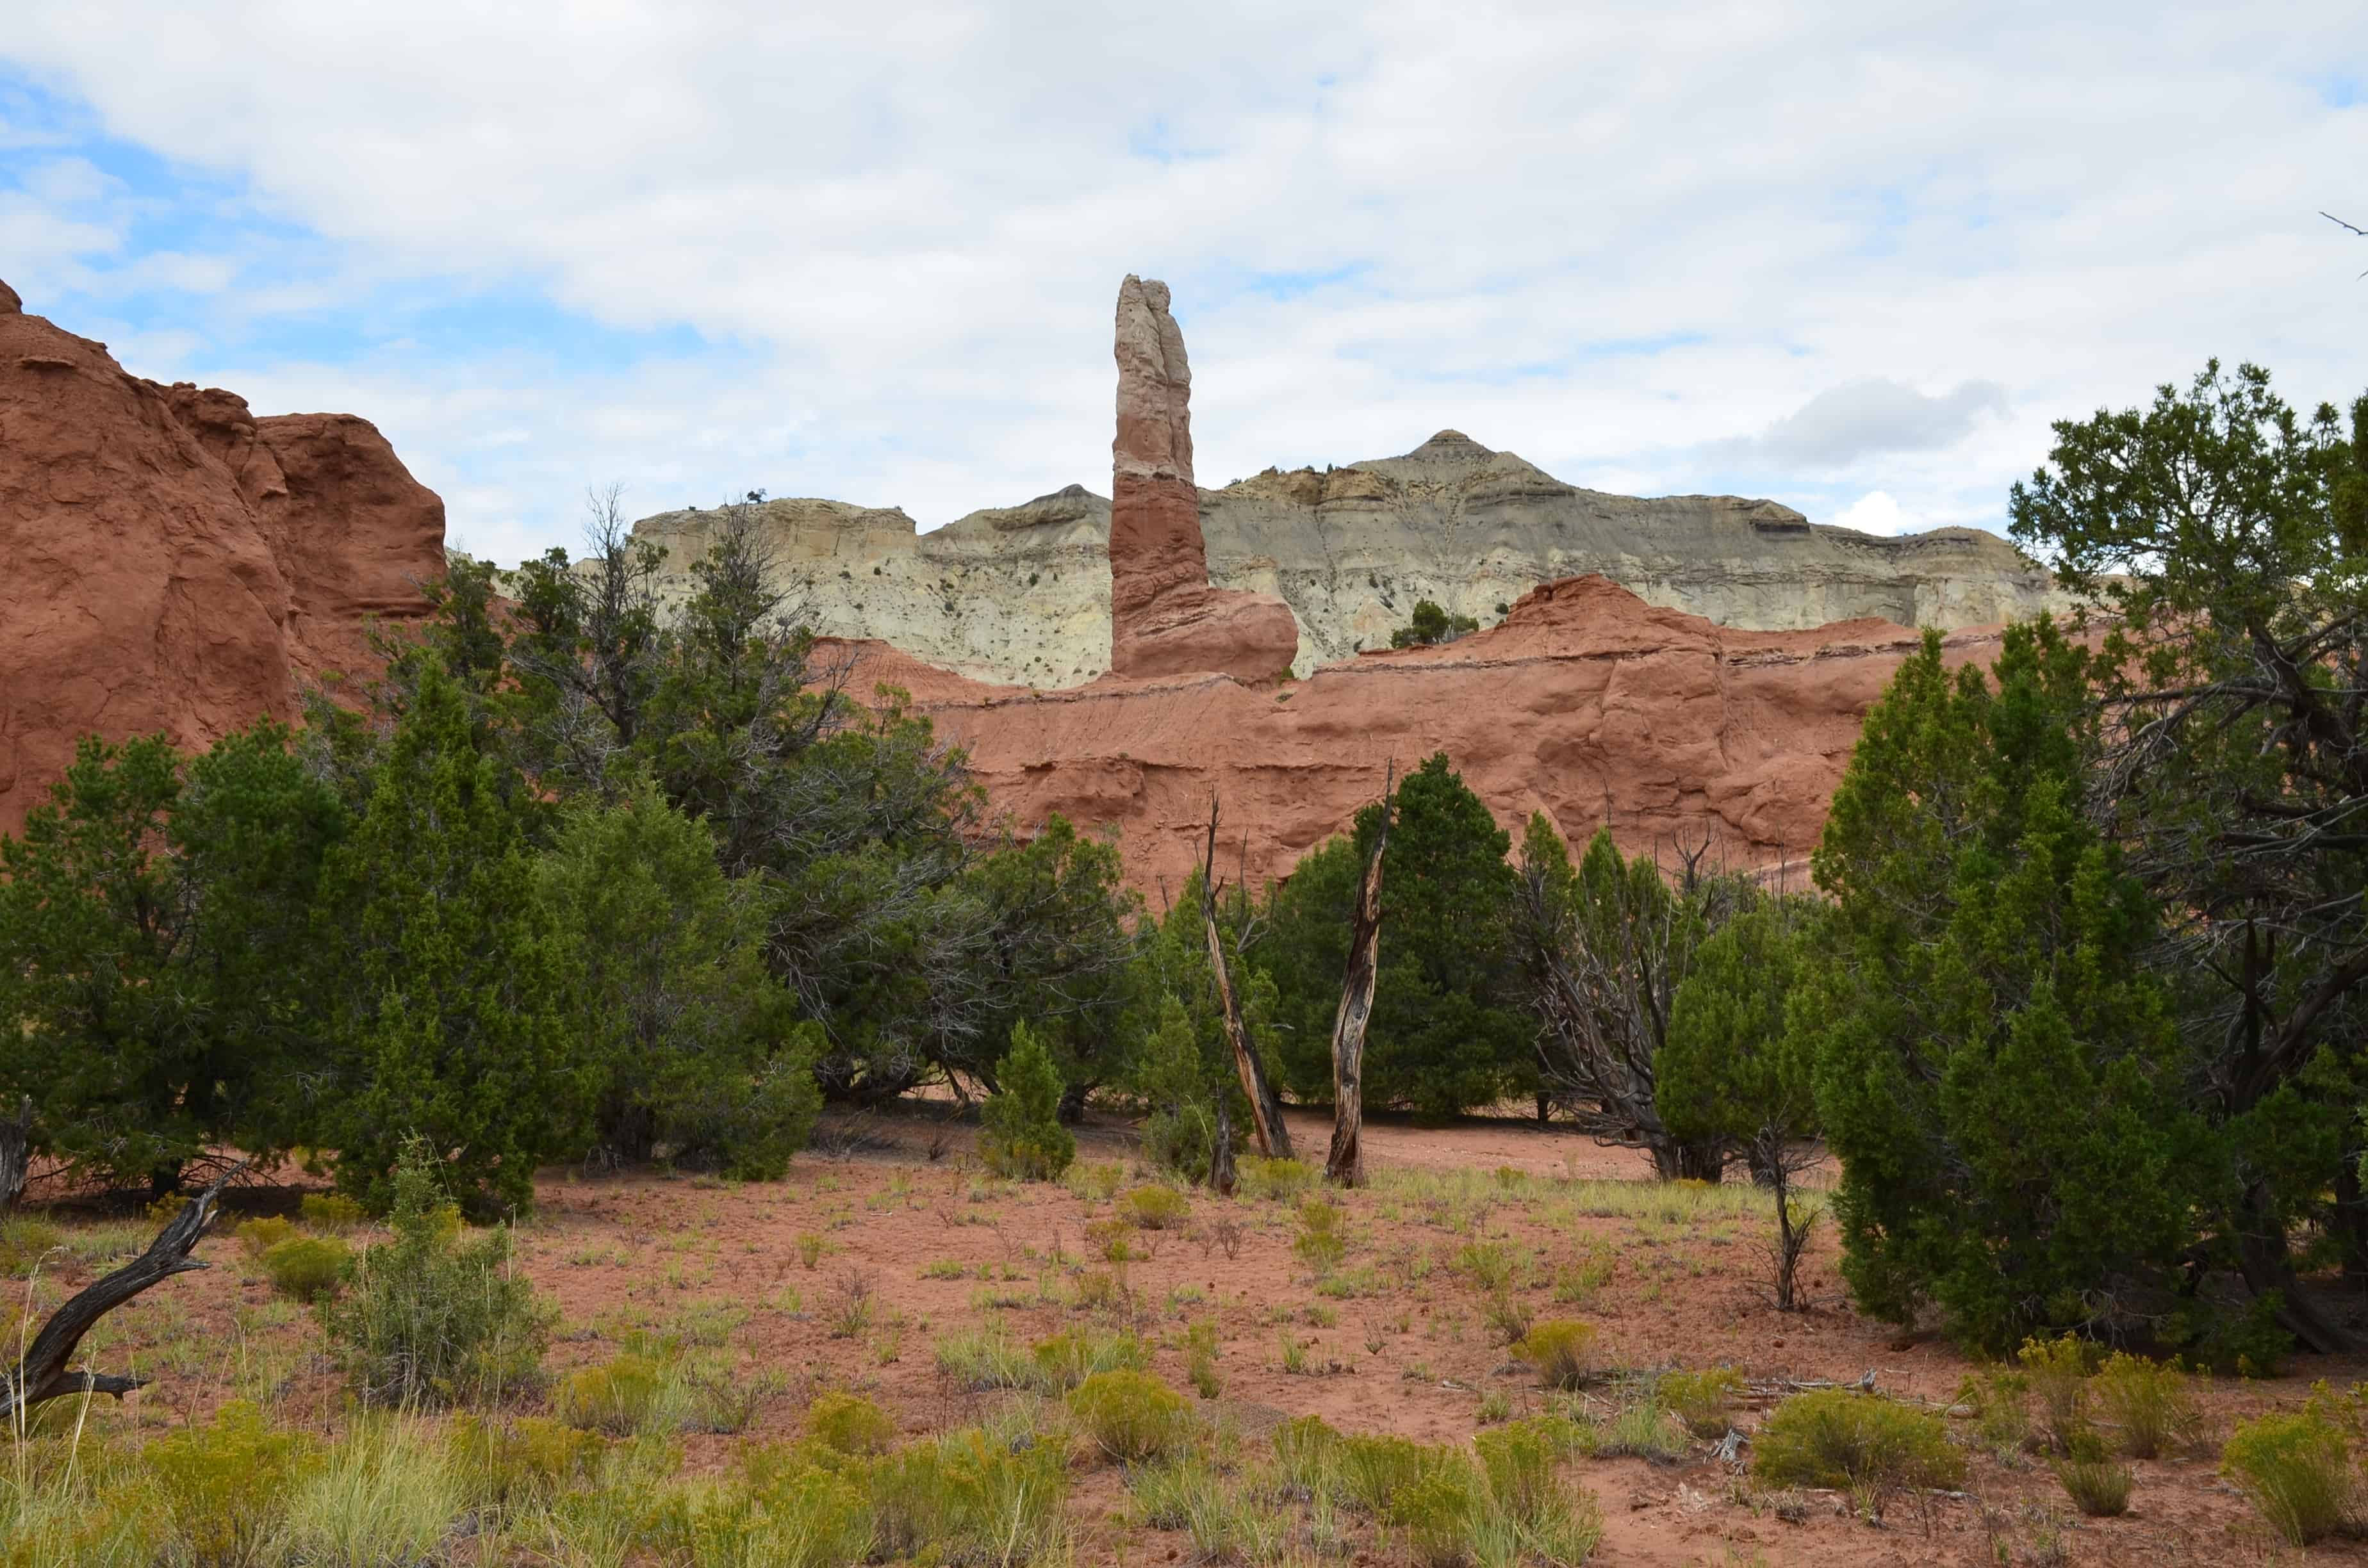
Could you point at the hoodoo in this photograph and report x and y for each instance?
(1166, 619)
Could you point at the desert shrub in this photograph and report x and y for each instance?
(1519, 1459)
(619, 1397)
(307, 1267)
(1560, 1350)
(1063, 1361)
(2297, 1470)
(1155, 1208)
(1276, 1180)
(2097, 1486)
(1131, 1415)
(1225, 1524)
(260, 1234)
(2153, 1404)
(810, 1246)
(332, 1213)
(1431, 624)
(804, 1517)
(1701, 1400)
(969, 1499)
(1843, 1439)
(1019, 1128)
(532, 1459)
(388, 1494)
(2057, 1372)
(1437, 1513)
(1373, 1468)
(2000, 1400)
(433, 1318)
(1200, 1358)
(222, 1486)
(1320, 1243)
(848, 1423)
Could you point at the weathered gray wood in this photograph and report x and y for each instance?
(1346, 1164)
(43, 1375)
(1266, 1106)
(15, 1154)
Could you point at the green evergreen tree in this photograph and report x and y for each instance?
(693, 1042)
(153, 952)
(2000, 1078)
(451, 1016)
(1020, 1132)
(1447, 1032)
(1182, 1067)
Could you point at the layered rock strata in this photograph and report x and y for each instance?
(1585, 702)
(174, 562)
(1166, 615)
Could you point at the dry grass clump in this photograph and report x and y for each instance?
(1861, 1442)
(1561, 1350)
(1131, 1415)
(2297, 1470)
(1701, 1401)
(1155, 1208)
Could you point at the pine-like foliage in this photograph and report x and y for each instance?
(153, 945)
(1447, 1031)
(452, 1023)
(1999, 1078)
(1020, 1132)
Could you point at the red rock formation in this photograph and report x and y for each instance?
(173, 563)
(1165, 618)
(1585, 703)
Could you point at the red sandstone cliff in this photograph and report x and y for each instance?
(1585, 702)
(173, 563)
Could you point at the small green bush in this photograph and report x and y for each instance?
(2153, 1404)
(849, 1424)
(1843, 1439)
(431, 1318)
(1062, 1361)
(1320, 1243)
(1306, 1454)
(1437, 1513)
(224, 1485)
(1275, 1180)
(533, 1459)
(260, 1234)
(1155, 1208)
(619, 1398)
(2297, 1470)
(2099, 1487)
(2056, 1371)
(307, 1267)
(1560, 1350)
(332, 1213)
(968, 1498)
(1701, 1400)
(1490, 1265)
(1374, 1469)
(1019, 1128)
(1131, 1415)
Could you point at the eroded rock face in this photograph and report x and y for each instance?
(1165, 618)
(1586, 703)
(174, 562)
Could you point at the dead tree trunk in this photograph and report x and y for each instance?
(1346, 1165)
(16, 1156)
(1266, 1106)
(43, 1374)
(1221, 1153)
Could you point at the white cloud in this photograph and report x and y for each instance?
(1661, 242)
(1876, 512)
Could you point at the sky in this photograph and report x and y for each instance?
(1854, 257)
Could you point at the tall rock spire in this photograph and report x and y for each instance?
(1165, 618)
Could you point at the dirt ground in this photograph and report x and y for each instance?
(906, 1219)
